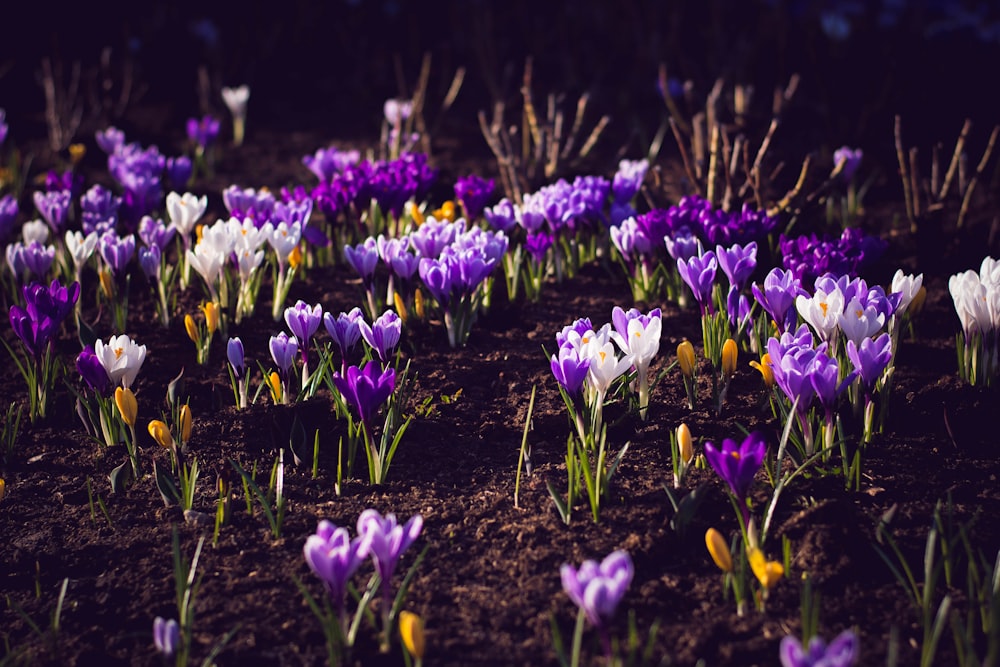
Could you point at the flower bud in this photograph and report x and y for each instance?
(418, 303)
(160, 433)
(415, 213)
(107, 284)
(211, 310)
(411, 631)
(768, 572)
(76, 152)
(764, 366)
(729, 353)
(718, 550)
(127, 405)
(185, 423)
(191, 328)
(3, 489)
(400, 306)
(274, 382)
(685, 357)
(684, 443)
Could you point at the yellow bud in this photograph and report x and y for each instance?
(274, 382)
(211, 310)
(415, 213)
(107, 283)
(185, 423)
(418, 303)
(400, 306)
(127, 405)
(685, 357)
(765, 369)
(160, 433)
(718, 550)
(729, 353)
(446, 212)
(295, 257)
(191, 328)
(411, 631)
(684, 443)
(768, 572)
(76, 153)
(917, 303)
(3, 488)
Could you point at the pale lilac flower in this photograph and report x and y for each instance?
(859, 322)
(383, 335)
(303, 321)
(283, 350)
(388, 539)
(334, 557)
(598, 588)
(166, 636)
(842, 651)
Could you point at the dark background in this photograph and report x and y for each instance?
(328, 66)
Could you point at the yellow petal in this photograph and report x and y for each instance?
(418, 303)
(191, 328)
(185, 422)
(768, 572)
(764, 366)
(400, 306)
(127, 405)
(684, 443)
(718, 550)
(295, 257)
(211, 310)
(274, 382)
(76, 152)
(411, 631)
(3, 489)
(729, 352)
(415, 213)
(160, 433)
(685, 357)
(107, 284)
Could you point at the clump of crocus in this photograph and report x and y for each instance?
(638, 336)
(36, 324)
(598, 589)
(236, 101)
(737, 465)
(841, 652)
(202, 331)
(334, 557)
(366, 389)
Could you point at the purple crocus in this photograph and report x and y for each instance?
(388, 539)
(738, 464)
(598, 589)
(570, 370)
(345, 330)
(841, 652)
(203, 132)
(8, 215)
(116, 251)
(166, 636)
(851, 157)
(54, 208)
(824, 374)
(155, 232)
(628, 179)
(437, 277)
(778, 296)
(32, 258)
(90, 368)
(99, 210)
(150, 261)
(235, 354)
(870, 359)
(502, 217)
(110, 140)
(303, 321)
(738, 262)
(363, 258)
(366, 388)
(44, 311)
(283, 350)
(473, 193)
(178, 171)
(334, 557)
(699, 274)
(792, 357)
(383, 335)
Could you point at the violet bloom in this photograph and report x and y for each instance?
(792, 358)
(366, 389)
(116, 251)
(99, 210)
(778, 296)
(283, 350)
(235, 354)
(570, 370)
(178, 171)
(150, 261)
(851, 157)
(388, 539)
(90, 368)
(598, 588)
(473, 193)
(345, 330)
(842, 651)
(681, 245)
(363, 258)
(437, 276)
(8, 215)
(823, 375)
(383, 335)
(32, 258)
(870, 359)
(628, 179)
(699, 274)
(303, 321)
(334, 557)
(154, 232)
(44, 311)
(110, 140)
(580, 326)
(502, 217)
(738, 263)
(537, 244)
(54, 208)
(631, 241)
(396, 254)
(328, 162)
(203, 132)
(738, 464)
(166, 636)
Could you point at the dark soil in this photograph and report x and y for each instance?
(488, 587)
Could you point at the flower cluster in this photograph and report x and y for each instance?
(809, 257)
(977, 301)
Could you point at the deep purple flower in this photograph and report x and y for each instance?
(54, 208)
(823, 375)
(628, 179)
(283, 350)
(388, 539)
(99, 210)
(110, 140)
(363, 258)
(178, 171)
(842, 651)
(203, 132)
(303, 321)
(778, 296)
(149, 261)
(870, 359)
(345, 330)
(8, 215)
(851, 157)
(366, 388)
(503, 216)
(235, 354)
(328, 162)
(738, 262)
(537, 244)
(473, 193)
(90, 368)
(738, 464)
(166, 636)
(44, 311)
(334, 557)
(116, 251)
(383, 335)
(699, 274)
(598, 588)
(570, 370)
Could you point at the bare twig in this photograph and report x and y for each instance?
(901, 158)
(955, 158)
(980, 168)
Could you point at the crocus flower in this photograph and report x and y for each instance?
(35, 231)
(237, 360)
(859, 322)
(81, 247)
(598, 588)
(850, 157)
(166, 636)
(777, 296)
(303, 321)
(334, 557)
(907, 287)
(178, 170)
(363, 258)
(822, 311)
(699, 273)
(89, 366)
(283, 350)
(473, 192)
(54, 208)
(121, 358)
(345, 330)
(737, 464)
(570, 370)
(116, 251)
(870, 359)
(718, 549)
(366, 388)
(31, 258)
(388, 539)
(737, 262)
(383, 335)
(150, 260)
(640, 341)
(841, 652)
(184, 212)
(44, 311)
(203, 132)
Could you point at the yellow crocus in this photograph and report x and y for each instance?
(764, 366)
(191, 328)
(127, 405)
(185, 423)
(418, 303)
(718, 550)
(685, 357)
(211, 311)
(411, 631)
(400, 306)
(684, 443)
(107, 283)
(274, 382)
(76, 153)
(415, 213)
(160, 433)
(3, 488)
(729, 352)
(446, 212)
(768, 572)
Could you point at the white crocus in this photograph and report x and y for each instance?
(284, 238)
(640, 346)
(36, 230)
(121, 358)
(208, 262)
(605, 368)
(236, 101)
(81, 248)
(821, 311)
(907, 286)
(971, 302)
(185, 211)
(858, 322)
